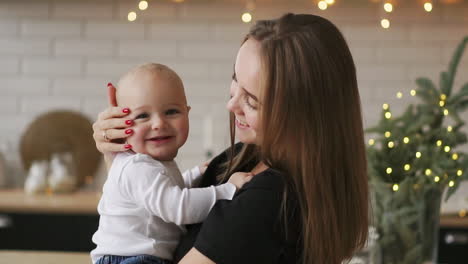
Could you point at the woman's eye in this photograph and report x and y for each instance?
(172, 112)
(143, 115)
(252, 104)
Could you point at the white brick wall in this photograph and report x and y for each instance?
(61, 54)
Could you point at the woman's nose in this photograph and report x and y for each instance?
(233, 104)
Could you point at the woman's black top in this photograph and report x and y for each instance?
(248, 229)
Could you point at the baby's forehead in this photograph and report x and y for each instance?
(150, 75)
(144, 82)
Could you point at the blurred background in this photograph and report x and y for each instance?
(59, 55)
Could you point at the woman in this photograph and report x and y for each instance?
(295, 109)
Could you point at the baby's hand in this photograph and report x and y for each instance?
(240, 178)
(203, 167)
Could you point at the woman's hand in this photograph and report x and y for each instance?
(111, 128)
(195, 257)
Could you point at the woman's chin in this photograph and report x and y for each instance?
(246, 139)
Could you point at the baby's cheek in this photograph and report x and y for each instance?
(136, 139)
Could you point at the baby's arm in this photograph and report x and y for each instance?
(192, 177)
(151, 187)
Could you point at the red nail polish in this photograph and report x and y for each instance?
(109, 84)
(127, 146)
(129, 122)
(126, 110)
(128, 131)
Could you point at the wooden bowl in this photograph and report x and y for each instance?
(62, 131)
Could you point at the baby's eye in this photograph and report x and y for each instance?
(172, 112)
(142, 115)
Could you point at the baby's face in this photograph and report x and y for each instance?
(160, 113)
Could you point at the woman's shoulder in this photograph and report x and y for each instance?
(269, 179)
(253, 222)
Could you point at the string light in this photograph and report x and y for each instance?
(391, 144)
(449, 128)
(428, 172)
(322, 5)
(413, 92)
(446, 112)
(406, 140)
(459, 172)
(132, 16)
(443, 97)
(385, 106)
(399, 95)
(178, 1)
(441, 103)
(454, 156)
(330, 2)
(439, 143)
(387, 134)
(451, 183)
(436, 178)
(446, 148)
(371, 142)
(428, 6)
(389, 170)
(388, 115)
(395, 187)
(388, 7)
(407, 167)
(385, 23)
(418, 154)
(143, 5)
(246, 17)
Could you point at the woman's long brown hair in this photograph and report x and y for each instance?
(312, 130)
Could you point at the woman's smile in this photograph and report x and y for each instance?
(241, 124)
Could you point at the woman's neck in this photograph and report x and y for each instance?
(260, 167)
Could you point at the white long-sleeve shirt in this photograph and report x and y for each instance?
(145, 204)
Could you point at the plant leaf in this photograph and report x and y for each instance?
(452, 71)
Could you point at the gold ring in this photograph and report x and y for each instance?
(104, 135)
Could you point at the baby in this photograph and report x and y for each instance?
(146, 201)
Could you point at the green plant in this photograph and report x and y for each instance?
(431, 128)
(412, 159)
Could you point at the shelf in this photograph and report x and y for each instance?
(17, 201)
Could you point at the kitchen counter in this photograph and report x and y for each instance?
(80, 202)
(50, 222)
(43, 257)
(454, 221)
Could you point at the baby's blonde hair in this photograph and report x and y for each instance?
(154, 69)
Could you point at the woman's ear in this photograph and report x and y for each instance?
(111, 94)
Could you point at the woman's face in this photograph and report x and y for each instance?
(245, 89)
